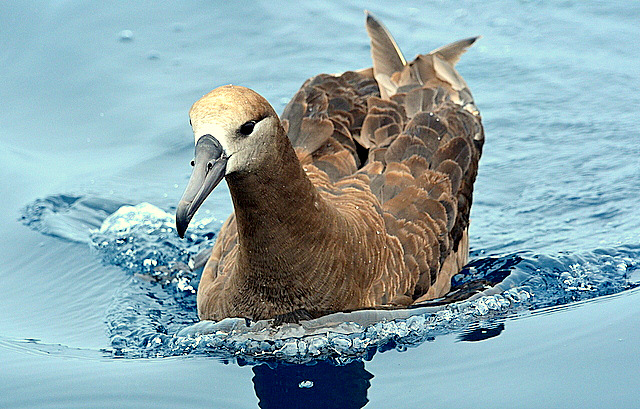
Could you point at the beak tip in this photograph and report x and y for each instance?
(182, 218)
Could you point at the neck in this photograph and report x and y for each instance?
(278, 213)
(298, 250)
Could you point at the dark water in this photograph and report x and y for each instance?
(94, 154)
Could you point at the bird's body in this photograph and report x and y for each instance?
(358, 198)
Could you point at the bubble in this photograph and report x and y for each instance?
(125, 36)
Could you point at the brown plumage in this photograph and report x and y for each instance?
(358, 198)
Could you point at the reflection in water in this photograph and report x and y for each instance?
(323, 385)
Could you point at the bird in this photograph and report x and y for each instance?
(357, 197)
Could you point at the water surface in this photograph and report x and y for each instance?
(95, 118)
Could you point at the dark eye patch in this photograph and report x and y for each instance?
(247, 128)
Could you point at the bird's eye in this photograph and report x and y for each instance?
(193, 162)
(247, 128)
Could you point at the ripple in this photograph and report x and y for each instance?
(37, 347)
(154, 314)
(67, 216)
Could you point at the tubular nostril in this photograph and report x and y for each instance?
(209, 166)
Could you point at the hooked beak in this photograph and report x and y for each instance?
(209, 168)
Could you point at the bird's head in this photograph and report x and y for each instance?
(233, 128)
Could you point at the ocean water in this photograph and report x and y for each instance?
(97, 305)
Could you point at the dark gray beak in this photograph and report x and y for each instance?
(209, 168)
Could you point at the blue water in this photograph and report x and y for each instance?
(94, 154)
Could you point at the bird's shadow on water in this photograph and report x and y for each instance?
(322, 385)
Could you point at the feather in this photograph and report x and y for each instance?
(365, 198)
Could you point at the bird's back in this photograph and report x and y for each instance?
(407, 135)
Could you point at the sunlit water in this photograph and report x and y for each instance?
(95, 153)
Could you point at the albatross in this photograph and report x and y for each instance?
(357, 197)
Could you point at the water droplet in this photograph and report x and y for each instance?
(305, 384)
(461, 13)
(153, 55)
(125, 36)
(149, 262)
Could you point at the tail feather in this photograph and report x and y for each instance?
(451, 52)
(386, 55)
(435, 69)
